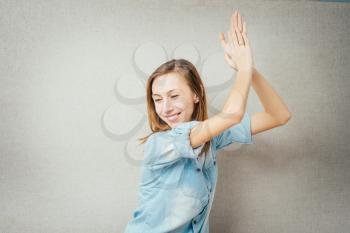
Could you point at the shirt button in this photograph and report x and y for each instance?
(194, 221)
(214, 162)
(210, 189)
(198, 169)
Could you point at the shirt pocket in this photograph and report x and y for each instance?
(193, 182)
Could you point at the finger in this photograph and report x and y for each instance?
(233, 20)
(239, 37)
(223, 41)
(239, 21)
(228, 59)
(244, 34)
(246, 40)
(222, 38)
(237, 30)
(233, 39)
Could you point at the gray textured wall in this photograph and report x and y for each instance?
(72, 106)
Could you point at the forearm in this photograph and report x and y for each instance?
(271, 101)
(236, 102)
(231, 114)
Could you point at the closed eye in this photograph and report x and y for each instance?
(173, 96)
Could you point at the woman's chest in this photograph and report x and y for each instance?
(195, 178)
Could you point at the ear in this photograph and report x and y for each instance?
(196, 99)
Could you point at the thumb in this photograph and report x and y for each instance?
(222, 39)
(228, 59)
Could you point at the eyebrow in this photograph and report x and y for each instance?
(167, 92)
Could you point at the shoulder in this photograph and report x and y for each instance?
(155, 136)
(161, 141)
(183, 128)
(162, 138)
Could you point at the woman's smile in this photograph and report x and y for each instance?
(173, 118)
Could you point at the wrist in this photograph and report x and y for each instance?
(246, 68)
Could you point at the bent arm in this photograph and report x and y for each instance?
(275, 111)
(231, 113)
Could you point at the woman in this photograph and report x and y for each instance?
(179, 169)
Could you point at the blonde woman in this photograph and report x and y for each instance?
(179, 176)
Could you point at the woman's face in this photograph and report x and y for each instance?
(173, 99)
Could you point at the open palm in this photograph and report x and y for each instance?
(237, 47)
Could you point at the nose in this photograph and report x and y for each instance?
(167, 107)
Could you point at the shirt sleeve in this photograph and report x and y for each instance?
(240, 133)
(163, 149)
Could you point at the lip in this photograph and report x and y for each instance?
(173, 114)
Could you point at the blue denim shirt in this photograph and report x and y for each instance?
(177, 187)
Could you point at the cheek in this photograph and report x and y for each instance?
(182, 104)
(158, 108)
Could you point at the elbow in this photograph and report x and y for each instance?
(285, 118)
(237, 118)
(240, 116)
(232, 117)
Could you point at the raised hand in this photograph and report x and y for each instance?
(237, 51)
